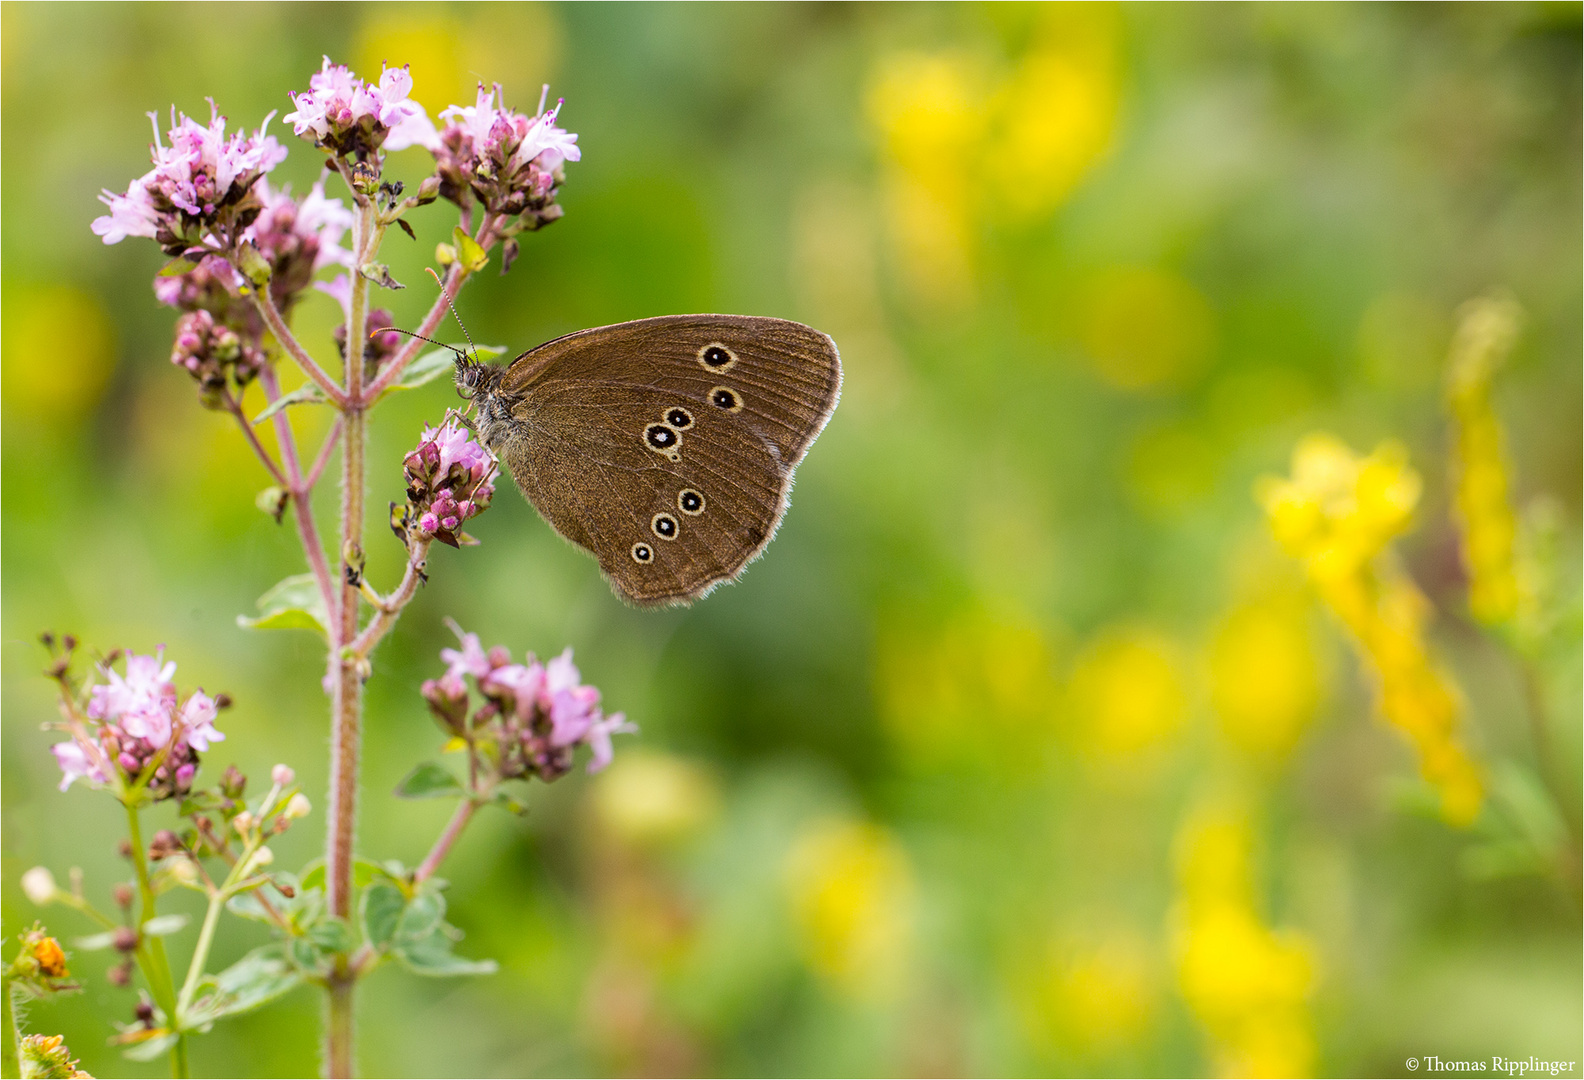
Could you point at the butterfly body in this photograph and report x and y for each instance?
(665, 447)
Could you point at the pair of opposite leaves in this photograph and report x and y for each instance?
(665, 447)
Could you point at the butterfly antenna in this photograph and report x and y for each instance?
(454, 314)
(420, 337)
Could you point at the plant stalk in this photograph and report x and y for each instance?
(442, 847)
(11, 1037)
(156, 967)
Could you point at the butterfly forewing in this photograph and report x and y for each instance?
(666, 446)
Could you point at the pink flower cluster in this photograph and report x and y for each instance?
(344, 115)
(138, 722)
(296, 238)
(511, 162)
(450, 478)
(211, 351)
(200, 189)
(536, 715)
(299, 238)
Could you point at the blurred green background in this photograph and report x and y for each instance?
(926, 792)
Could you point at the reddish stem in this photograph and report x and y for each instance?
(448, 290)
(294, 349)
(442, 846)
(234, 407)
(301, 493)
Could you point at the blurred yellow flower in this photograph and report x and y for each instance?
(1091, 994)
(979, 689)
(1264, 675)
(960, 140)
(650, 798)
(930, 116)
(59, 347)
(851, 889)
(1126, 693)
(1337, 515)
(1246, 984)
(1485, 334)
(450, 50)
(1145, 329)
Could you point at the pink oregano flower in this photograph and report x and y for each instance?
(200, 189)
(344, 115)
(534, 715)
(450, 479)
(136, 718)
(509, 161)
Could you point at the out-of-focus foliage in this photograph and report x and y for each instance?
(1027, 748)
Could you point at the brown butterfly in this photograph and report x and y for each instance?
(663, 446)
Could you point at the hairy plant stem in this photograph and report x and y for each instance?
(11, 1037)
(288, 341)
(151, 950)
(345, 675)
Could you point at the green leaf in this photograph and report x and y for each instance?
(366, 871)
(316, 949)
(331, 935)
(472, 257)
(509, 802)
(149, 1049)
(96, 941)
(177, 267)
(293, 604)
(429, 781)
(254, 266)
(313, 875)
(257, 979)
(307, 394)
(380, 911)
(433, 956)
(421, 918)
(161, 925)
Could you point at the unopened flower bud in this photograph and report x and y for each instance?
(164, 845)
(233, 783)
(125, 939)
(144, 1012)
(429, 190)
(282, 775)
(298, 806)
(242, 822)
(123, 894)
(259, 860)
(124, 848)
(121, 974)
(38, 884)
(184, 871)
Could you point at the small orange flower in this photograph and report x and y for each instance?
(51, 960)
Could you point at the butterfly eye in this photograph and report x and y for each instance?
(642, 553)
(690, 502)
(664, 526)
(717, 357)
(679, 418)
(724, 397)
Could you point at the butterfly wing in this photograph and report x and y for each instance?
(667, 446)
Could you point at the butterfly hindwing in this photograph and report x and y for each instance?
(666, 446)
